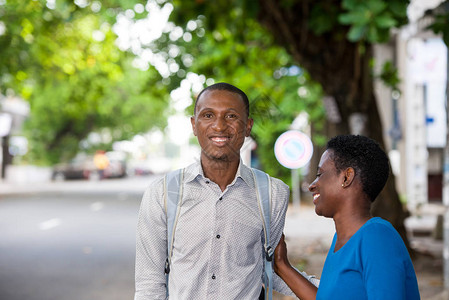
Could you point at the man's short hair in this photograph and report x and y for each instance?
(366, 157)
(223, 86)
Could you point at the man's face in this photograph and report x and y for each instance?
(220, 123)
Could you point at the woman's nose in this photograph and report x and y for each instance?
(312, 186)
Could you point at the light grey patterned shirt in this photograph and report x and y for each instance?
(217, 248)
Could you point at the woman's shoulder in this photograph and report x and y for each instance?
(380, 232)
(377, 224)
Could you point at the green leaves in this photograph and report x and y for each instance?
(385, 21)
(441, 25)
(235, 48)
(389, 76)
(371, 20)
(323, 18)
(64, 61)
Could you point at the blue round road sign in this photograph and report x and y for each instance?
(293, 149)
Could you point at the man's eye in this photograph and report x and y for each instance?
(207, 115)
(231, 116)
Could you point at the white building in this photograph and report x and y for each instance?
(415, 119)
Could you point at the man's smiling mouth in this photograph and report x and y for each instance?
(220, 140)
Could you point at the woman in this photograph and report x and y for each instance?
(367, 258)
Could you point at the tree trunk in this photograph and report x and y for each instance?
(343, 69)
(6, 157)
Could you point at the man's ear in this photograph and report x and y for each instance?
(249, 126)
(192, 121)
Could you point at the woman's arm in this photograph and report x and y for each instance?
(302, 287)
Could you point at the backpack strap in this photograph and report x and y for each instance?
(263, 194)
(173, 200)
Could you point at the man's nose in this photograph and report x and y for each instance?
(219, 124)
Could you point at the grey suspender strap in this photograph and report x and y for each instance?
(173, 198)
(263, 190)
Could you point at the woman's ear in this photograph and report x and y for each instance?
(349, 175)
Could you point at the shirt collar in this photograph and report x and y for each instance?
(195, 170)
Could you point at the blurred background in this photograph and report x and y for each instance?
(95, 101)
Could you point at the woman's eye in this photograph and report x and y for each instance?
(318, 174)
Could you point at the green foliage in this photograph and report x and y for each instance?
(275, 115)
(389, 76)
(77, 84)
(441, 22)
(323, 18)
(238, 50)
(371, 20)
(64, 61)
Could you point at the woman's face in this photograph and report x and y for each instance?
(326, 187)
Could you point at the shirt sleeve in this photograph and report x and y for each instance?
(280, 196)
(151, 245)
(281, 287)
(384, 258)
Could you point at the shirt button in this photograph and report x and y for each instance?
(213, 277)
(221, 198)
(207, 181)
(218, 236)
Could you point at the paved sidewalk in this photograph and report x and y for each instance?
(308, 237)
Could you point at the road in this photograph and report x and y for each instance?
(70, 240)
(75, 240)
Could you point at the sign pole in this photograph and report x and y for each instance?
(296, 201)
(293, 149)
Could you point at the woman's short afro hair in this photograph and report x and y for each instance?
(365, 156)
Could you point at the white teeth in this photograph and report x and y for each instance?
(316, 196)
(217, 139)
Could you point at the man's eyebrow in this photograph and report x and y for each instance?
(212, 109)
(232, 109)
(204, 109)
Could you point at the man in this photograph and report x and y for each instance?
(217, 248)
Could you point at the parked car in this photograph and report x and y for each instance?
(83, 167)
(80, 167)
(117, 165)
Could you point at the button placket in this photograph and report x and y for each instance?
(216, 243)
